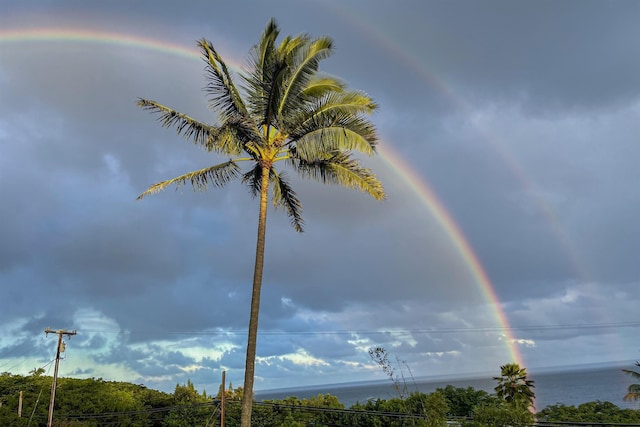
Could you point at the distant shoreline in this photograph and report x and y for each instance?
(472, 376)
(569, 385)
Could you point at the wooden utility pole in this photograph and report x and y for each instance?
(60, 349)
(222, 400)
(20, 405)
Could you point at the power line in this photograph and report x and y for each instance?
(390, 330)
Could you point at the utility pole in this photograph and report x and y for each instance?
(60, 349)
(222, 400)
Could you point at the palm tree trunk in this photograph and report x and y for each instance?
(252, 340)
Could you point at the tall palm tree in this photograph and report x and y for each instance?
(514, 386)
(633, 392)
(288, 113)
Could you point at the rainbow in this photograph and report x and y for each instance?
(413, 62)
(93, 36)
(398, 165)
(430, 200)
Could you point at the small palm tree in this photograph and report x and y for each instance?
(633, 392)
(514, 386)
(288, 113)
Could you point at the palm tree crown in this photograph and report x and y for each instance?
(514, 386)
(288, 112)
(291, 112)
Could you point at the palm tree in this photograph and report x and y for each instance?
(288, 113)
(633, 392)
(513, 385)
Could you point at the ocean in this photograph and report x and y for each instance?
(570, 386)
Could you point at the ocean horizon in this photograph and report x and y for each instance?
(568, 385)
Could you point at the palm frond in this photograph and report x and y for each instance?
(335, 105)
(227, 139)
(224, 96)
(341, 169)
(190, 128)
(302, 67)
(320, 84)
(284, 196)
(234, 135)
(218, 175)
(252, 179)
(263, 51)
(314, 144)
(289, 47)
(263, 65)
(337, 116)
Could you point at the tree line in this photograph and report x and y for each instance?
(95, 402)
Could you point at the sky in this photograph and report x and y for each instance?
(508, 151)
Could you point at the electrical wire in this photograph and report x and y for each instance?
(39, 394)
(391, 330)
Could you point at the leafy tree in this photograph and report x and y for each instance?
(514, 386)
(291, 114)
(435, 408)
(190, 409)
(418, 409)
(462, 401)
(500, 413)
(595, 412)
(633, 392)
(513, 404)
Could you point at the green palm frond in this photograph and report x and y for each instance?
(290, 45)
(302, 71)
(342, 170)
(263, 57)
(320, 84)
(252, 180)
(190, 128)
(224, 97)
(334, 112)
(218, 176)
(264, 68)
(234, 136)
(340, 104)
(227, 139)
(284, 196)
(336, 138)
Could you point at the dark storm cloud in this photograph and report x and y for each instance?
(522, 117)
(553, 55)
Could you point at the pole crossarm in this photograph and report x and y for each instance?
(48, 331)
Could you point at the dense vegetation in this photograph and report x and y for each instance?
(88, 402)
(95, 402)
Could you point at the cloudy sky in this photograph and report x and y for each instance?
(509, 147)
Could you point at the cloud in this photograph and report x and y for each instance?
(522, 120)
